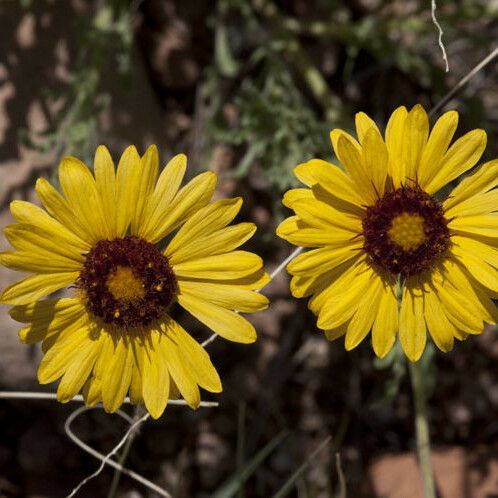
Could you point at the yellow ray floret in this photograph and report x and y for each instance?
(377, 230)
(115, 336)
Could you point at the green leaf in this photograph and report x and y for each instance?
(291, 482)
(234, 483)
(225, 61)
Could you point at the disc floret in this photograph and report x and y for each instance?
(406, 231)
(127, 282)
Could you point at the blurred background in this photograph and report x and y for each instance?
(248, 89)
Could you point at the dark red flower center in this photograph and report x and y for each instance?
(127, 282)
(406, 231)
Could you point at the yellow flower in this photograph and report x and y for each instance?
(380, 230)
(115, 336)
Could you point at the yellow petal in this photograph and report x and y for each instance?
(136, 386)
(77, 371)
(331, 178)
(322, 260)
(304, 286)
(459, 158)
(105, 179)
(47, 310)
(395, 137)
(352, 160)
(256, 280)
(180, 374)
(336, 280)
(336, 134)
(235, 264)
(214, 216)
(475, 263)
(81, 194)
(195, 358)
(116, 377)
(40, 262)
(155, 374)
(59, 208)
(222, 241)
(49, 318)
(32, 288)
(385, 327)
(375, 160)
(166, 188)
(363, 125)
(61, 331)
(225, 323)
(62, 354)
(91, 391)
(194, 196)
(464, 315)
(127, 178)
(473, 247)
(34, 240)
(339, 307)
(485, 225)
(484, 179)
(299, 233)
(480, 204)
(27, 214)
(226, 296)
(149, 165)
(296, 194)
(416, 133)
(365, 315)
(105, 355)
(441, 329)
(317, 214)
(437, 145)
(412, 331)
(336, 333)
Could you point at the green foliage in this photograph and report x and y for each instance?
(284, 104)
(275, 125)
(290, 484)
(396, 362)
(104, 42)
(235, 482)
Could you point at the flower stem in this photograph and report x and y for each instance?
(422, 429)
(138, 411)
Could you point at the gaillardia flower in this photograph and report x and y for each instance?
(102, 239)
(380, 231)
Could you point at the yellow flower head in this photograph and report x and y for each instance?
(378, 228)
(115, 336)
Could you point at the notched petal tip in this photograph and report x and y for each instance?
(265, 303)
(151, 154)
(418, 108)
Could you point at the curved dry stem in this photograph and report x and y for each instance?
(106, 459)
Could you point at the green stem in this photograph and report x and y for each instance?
(422, 429)
(113, 489)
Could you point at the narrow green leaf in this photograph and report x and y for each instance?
(291, 482)
(225, 61)
(233, 484)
